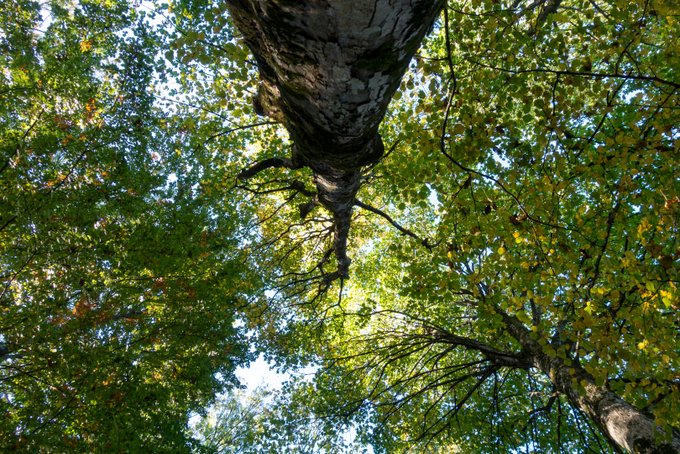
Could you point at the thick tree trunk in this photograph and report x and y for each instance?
(623, 424)
(328, 70)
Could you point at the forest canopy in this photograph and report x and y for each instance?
(502, 277)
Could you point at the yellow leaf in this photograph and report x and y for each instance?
(643, 227)
(589, 307)
(85, 45)
(501, 250)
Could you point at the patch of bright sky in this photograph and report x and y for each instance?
(502, 161)
(433, 198)
(261, 374)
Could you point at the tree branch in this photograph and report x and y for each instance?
(549, 7)
(497, 357)
(387, 217)
(264, 165)
(587, 74)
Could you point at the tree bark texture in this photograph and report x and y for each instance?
(328, 70)
(622, 423)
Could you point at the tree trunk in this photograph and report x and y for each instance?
(623, 424)
(328, 70)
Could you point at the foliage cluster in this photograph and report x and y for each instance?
(533, 146)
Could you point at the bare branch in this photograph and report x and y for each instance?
(387, 217)
(266, 164)
(586, 74)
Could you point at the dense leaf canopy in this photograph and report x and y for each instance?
(120, 279)
(531, 173)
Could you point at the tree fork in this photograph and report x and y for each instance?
(328, 70)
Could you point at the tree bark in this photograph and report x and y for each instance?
(624, 425)
(328, 70)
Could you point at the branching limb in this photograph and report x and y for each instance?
(300, 187)
(586, 74)
(266, 164)
(440, 334)
(548, 7)
(307, 207)
(269, 188)
(387, 217)
(496, 356)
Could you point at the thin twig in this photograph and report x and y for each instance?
(387, 217)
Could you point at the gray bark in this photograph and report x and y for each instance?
(623, 424)
(328, 70)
